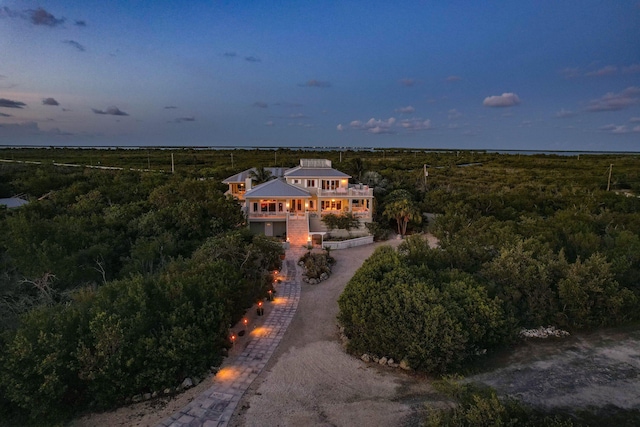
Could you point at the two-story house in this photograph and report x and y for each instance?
(294, 202)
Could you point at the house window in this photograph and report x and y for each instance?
(268, 206)
(330, 184)
(280, 207)
(311, 183)
(312, 205)
(332, 205)
(255, 207)
(296, 181)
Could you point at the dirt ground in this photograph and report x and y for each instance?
(597, 370)
(311, 381)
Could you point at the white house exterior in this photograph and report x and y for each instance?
(293, 203)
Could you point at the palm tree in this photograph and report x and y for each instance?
(358, 167)
(260, 175)
(401, 207)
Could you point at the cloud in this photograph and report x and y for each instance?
(605, 71)
(570, 73)
(80, 23)
(452, 79)
(112, 111)
(407, 82)
(260, 104)
(5, 115)
(416, 124)
(619, 129)
(50, 101)
(454, 114)
(298, 116)
(315, 83)
(388, 126)
(170, 107)
(252, 59)
(269, 123)
(406, 110)
(74, 44)
(505, 100)
(184, 119)
(8, 103)
(563, 114)
(634, 119)
(376, 126)
(616, 129)
(229, 54)
(631, 69)
(615, 101)
(42, 17)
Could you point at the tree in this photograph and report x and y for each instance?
(401, 207)
(261, 174)
(358, 167)
(590, 295)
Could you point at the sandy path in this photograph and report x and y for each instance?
(310, 380)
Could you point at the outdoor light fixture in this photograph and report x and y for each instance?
(260, 309)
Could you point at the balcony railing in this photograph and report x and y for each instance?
(267, 215)
(365, 191)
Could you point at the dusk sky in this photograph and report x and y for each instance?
(531, 75)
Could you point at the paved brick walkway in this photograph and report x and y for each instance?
(215, 406)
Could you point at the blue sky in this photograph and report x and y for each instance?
(540, 75)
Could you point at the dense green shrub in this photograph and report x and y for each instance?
(480, 407)
(315, 264)
(388, 309)
(134, 335)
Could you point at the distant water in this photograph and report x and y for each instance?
(326, 148)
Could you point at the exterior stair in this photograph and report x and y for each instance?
(297, 230)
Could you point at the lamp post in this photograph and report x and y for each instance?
(260, 309)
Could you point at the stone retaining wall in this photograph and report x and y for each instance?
(351, 243)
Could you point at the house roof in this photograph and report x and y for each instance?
(242, 176)
(13, 202)
(302, 172)
(276, 188)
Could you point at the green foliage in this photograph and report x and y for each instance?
(134, 335)
(525, 276)
(400, 207)
(388, 309)
(315, 264)
(345, 221)
(378, 231)
(261, 175)
(480, 407)
(590, 296)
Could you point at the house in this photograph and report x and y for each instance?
(294, 202)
